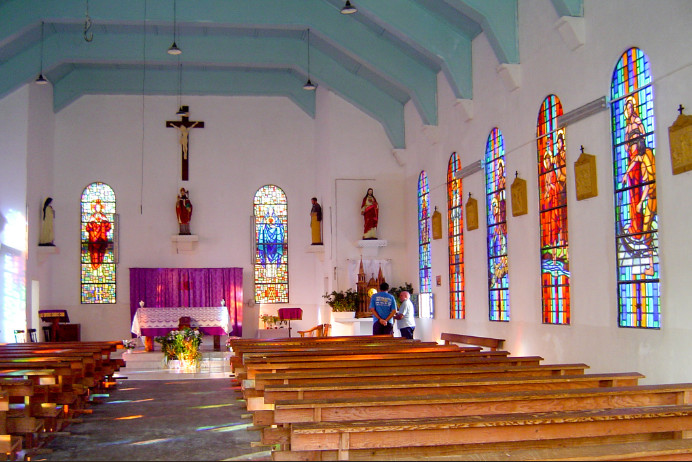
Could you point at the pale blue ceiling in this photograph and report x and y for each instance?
(386, 54)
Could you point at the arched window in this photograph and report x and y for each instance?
(636, 216)
(498, 270)
(552, 201)
(271, 245)
(98, 253)
(455, 236)
(424, 276)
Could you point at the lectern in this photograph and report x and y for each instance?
(55, 317)
(288, 314)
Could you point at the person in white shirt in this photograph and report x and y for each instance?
(404, 316)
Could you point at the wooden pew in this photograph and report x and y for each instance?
(488, 342)
(237, 360)
(404, 405)
(401, 360)
(427, 435)
(435, 387)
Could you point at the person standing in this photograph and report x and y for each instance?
(183, 209)
(46, 236)
(404, 316)
(383, 308)
(316, 222)
(370, 211)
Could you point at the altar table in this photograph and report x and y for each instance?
(153, 321)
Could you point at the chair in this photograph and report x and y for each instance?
(19, 336)
(321, 330)
(32, 335)
(184, 322)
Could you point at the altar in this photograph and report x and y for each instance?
(150, 322)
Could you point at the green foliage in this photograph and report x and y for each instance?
(343, 301)
(271, 321)
(397, 290)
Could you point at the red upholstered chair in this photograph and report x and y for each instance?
(184, 322)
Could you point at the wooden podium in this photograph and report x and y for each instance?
(60, 332)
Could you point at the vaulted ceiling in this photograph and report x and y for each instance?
(379, 58)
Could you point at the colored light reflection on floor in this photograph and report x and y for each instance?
(212, 406)
(232, 428)
(156, 441)
(129, 417)
(129, 401)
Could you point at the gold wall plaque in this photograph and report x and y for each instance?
(471, 214)
(585, 175)
(519, 201)
(437, 224)
(680, 138)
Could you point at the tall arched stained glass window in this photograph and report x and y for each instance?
(636, 216)
(552, 200)
(498, 269)
(98, 244)
(455, 236)
(271, 245)
(424, 275)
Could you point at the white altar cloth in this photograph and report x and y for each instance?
(209, 317)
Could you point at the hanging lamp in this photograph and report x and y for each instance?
(173, 49)
(348, 8)
(309, 85)
(41, 80)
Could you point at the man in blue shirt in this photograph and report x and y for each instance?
(383, 308)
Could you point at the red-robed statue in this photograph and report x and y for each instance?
(370, 211)
(183, 209)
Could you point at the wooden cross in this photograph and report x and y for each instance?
(184, 125)
(681, 108)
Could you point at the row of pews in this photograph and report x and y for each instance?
(389, 398)
(45, 386)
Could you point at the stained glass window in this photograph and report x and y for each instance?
(495, 194)
(424, 276)
(636, 216)
(455, 236)
(552, 201)
(271, 245)
(98, 244)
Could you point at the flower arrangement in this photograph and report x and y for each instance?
(271, 321)
(182, 345)
(130, 344)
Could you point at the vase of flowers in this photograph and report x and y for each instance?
(183, 346)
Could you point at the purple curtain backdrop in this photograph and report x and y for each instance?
(166, 287)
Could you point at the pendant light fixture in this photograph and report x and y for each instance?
(309, 85)
(348, 8)
(41, 80)
(174, 50)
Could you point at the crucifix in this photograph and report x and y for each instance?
(184, 125)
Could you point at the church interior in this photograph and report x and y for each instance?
(486, 129)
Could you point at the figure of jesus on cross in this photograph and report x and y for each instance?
(184, 125)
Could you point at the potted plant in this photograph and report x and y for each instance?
(182, 345)
(395, 291)
(343, 300)
(271, 321)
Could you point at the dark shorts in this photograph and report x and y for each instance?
(379, 329)
(407, 332)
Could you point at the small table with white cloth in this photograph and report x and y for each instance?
(153, 321)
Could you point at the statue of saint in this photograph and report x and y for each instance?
(46, 235)
(183, 209)
(370, 211)
(316, 222)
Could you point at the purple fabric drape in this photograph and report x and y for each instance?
(164, 287)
